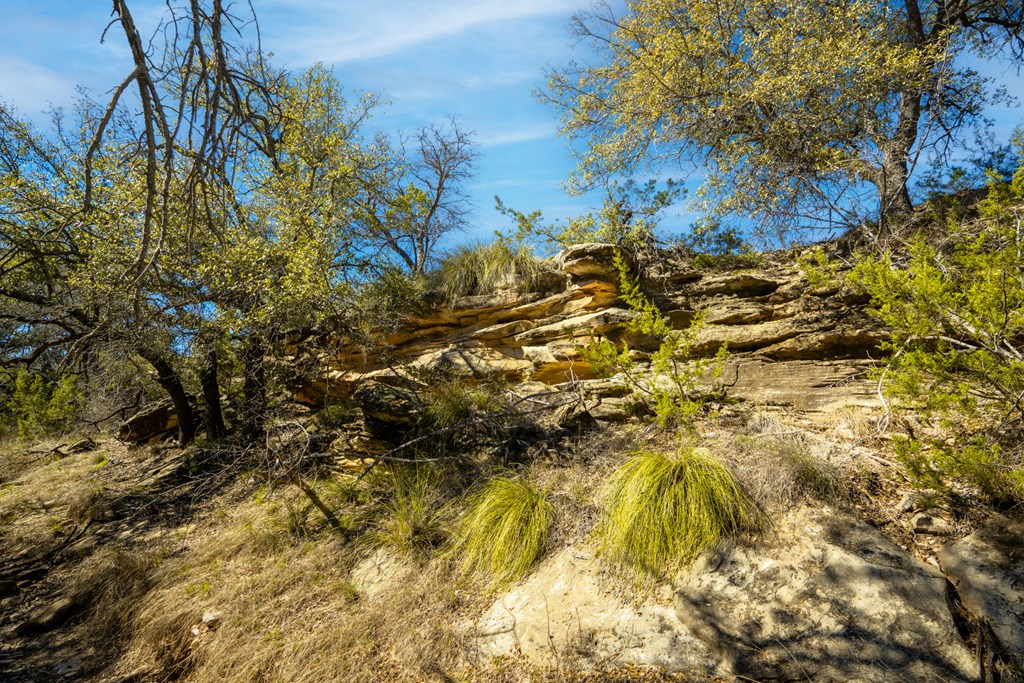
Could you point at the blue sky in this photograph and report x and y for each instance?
(478, 60)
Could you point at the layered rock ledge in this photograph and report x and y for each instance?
(790, 345)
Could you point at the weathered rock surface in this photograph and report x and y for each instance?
(824, 598)
(790, 347)
(564, 611)
(828, 599)
(150, 422)
(987, 569)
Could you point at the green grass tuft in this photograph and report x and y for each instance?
(504, 530)
(662, 512)
(485, 268)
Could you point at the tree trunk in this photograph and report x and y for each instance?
(893, 194)
(169, 381)
(892, 179)
(254, 388)
(214, 418)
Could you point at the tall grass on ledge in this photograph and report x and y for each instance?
(504, 530)
(484, 268)
(662, 512)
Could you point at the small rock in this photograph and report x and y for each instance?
(55, 615)
(924, 523)
(69, 668)
(610, 410)
(83, 446)
(211, 619)
(574, 417)
(149, 423)
(912, 501)
(83, 546)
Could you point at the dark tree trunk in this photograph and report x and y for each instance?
(254, 388)
(893, 179)
(214, 418)
(169, 381)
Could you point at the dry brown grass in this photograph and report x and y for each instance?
(50, 497)
(781, 464)
(115, 579)
(276, 583)
(288, 609)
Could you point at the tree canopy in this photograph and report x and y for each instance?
(802, 113)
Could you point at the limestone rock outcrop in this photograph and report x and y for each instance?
(790, 346)
(987, 569)
(827, 599)
(566, 611)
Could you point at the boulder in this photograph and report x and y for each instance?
(387, 403)
(987, 570)
(565, 612)
(150, 422)
(828, 598)
(591, 260)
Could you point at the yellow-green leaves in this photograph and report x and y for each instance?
(790, 106)
(956, 311)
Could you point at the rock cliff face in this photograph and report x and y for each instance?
(790, 345)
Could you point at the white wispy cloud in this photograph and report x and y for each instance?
(33, 88)
(536, 131)
(340, 33)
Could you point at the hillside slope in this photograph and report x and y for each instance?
(306, 560)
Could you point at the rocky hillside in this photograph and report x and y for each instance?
(206, 565)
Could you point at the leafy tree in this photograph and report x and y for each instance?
(211, 205)
(792, 107)
(629, 216)
(416, 196)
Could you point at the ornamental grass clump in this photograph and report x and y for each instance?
(504, 530)
(662, 512)
(484, 268)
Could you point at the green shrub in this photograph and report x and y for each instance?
(676, 382)
(504, 530)
(41, 407)
(954, 301)
(460, 407)
(485, 268)
(662, 512)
